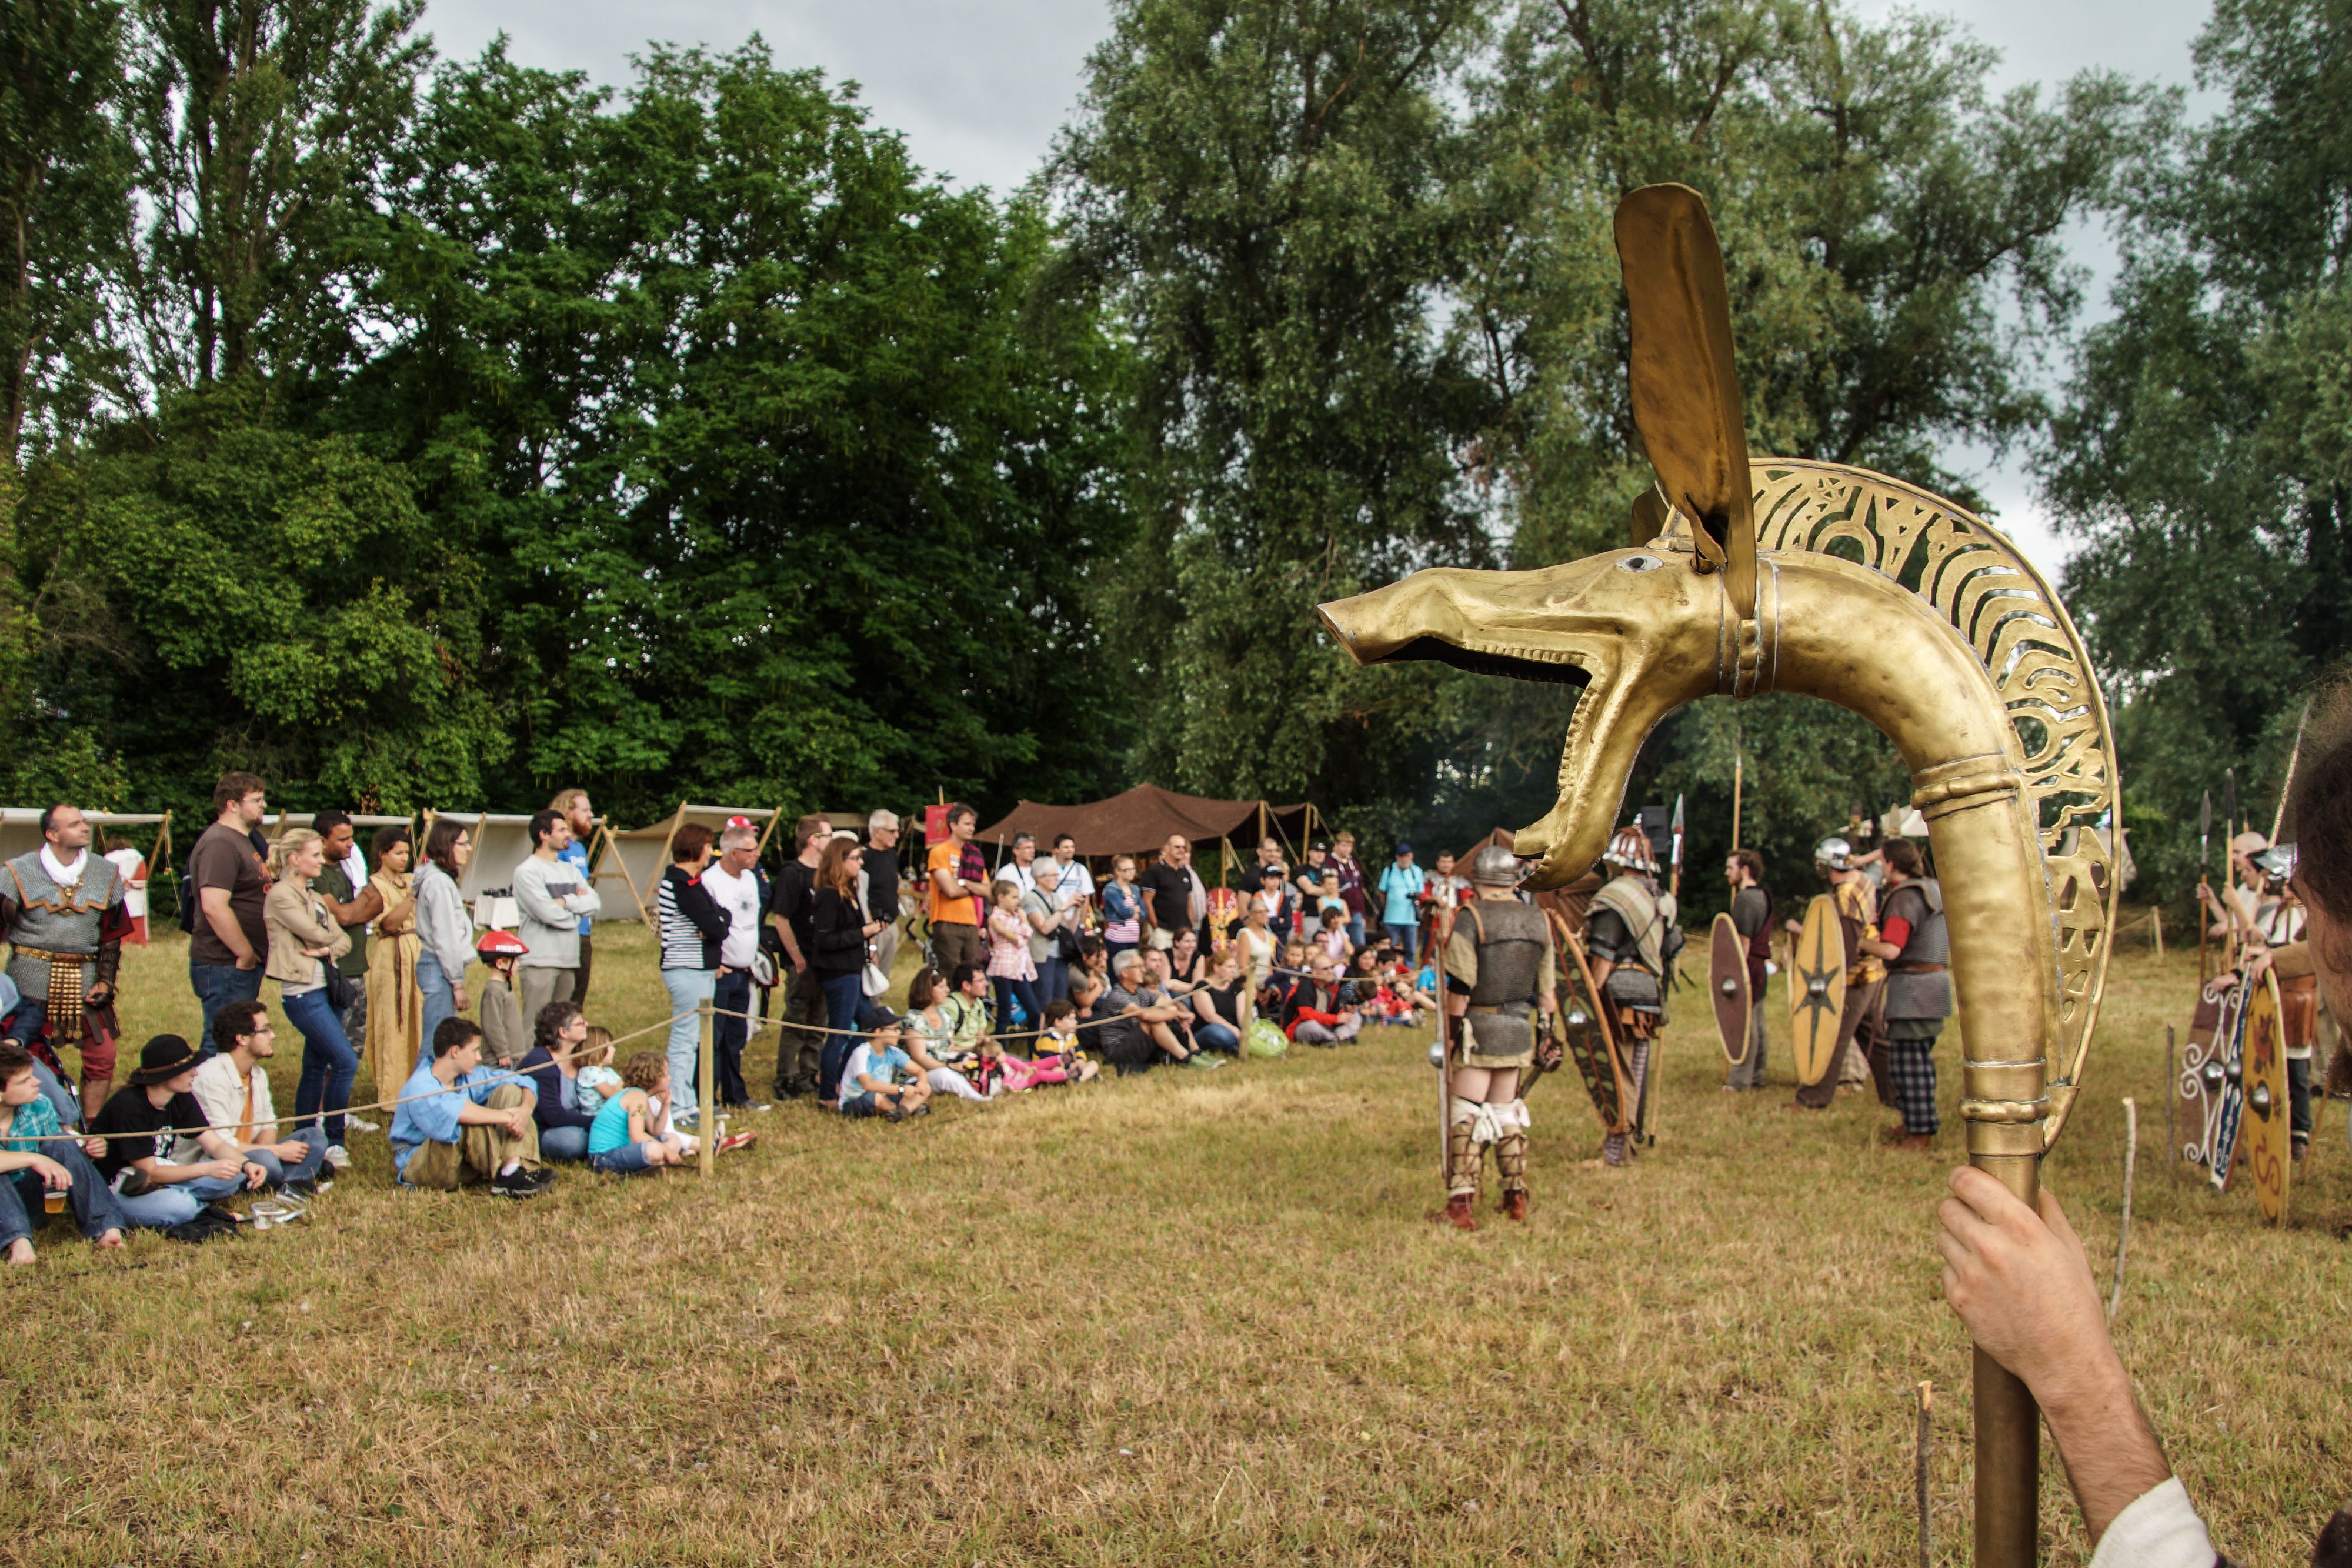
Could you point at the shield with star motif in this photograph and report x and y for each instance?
(1817, 990)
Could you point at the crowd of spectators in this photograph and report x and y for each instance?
(1035, 975)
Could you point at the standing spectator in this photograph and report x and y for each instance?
(1074, 885)
(1310, 882)
(737, 886)
(232, 1090)
(1020, 870)
(1274, 892)
(1402, 885)
(1012, 975)
(303, 940)
(131, 866)
(505, 1039)
(693, 928)
(1048, 919)
(555, 899)
(352, 903)
(445, 932)
(839, 932)
(882, 876)
(34, 1163)
(1255, 941)
(1173, 897)
(1122, 908)
(1352, 886)
(955, 901)
(1269, 858)
(151, 1190)
(459, 1118)
(559, 1040)
(800, 1048)
(394, 1028)
(230, 941)
(579, 818)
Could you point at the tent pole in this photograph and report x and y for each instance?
(676, 821)
(774, 816)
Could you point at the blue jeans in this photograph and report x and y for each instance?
(1221, 1038)
(1009, 991)
(160, 1208)
(629, 1159)
(218, 984)
(688, 990)
(568, 1144)
(1053, 980)
(842, 995)
(96, 1209)
(440, 1002)
(729, 1035)
(1407, 937)
(328, 1063)
(1355, 929)
(302, 1170)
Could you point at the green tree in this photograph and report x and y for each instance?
(1263, 192)
(2205, 454)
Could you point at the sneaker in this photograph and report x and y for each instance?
(544, 1177)
(338, 1157)
(520, 1184)
(1204, 1061)
(362, 1124)
(735, 1141)
(305, 1191)
(221, 1211)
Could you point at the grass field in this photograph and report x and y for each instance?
(1191, 1318)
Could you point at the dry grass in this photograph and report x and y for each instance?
(1185, 1318)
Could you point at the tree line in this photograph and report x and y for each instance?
(423, 431)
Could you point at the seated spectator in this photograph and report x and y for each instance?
(930, 1040)
(627, 1140)
(1377, 988)
(597, 1080)
(232, 1090)
(35, 1161)
(1331, 940)
(1149, 1021)
(880, 1078)
(564, 1051)
(1091, 980)
(1003, 1073)
(1328, 896)
(458, 1119)
(504, 1040)
(151, 1191)
(966, 1005)
(1217, 1007)
(1188, 966)
(1059, 1046)
(1323, 1011)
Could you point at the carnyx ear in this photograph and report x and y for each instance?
(1685, 386)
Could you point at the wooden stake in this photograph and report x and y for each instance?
(2123, 1229)
(1919, 1473)
(707, 1123)
(2157, 917)
(2171, 1099)
(1739, 771)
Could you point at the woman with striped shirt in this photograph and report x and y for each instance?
(692, 926)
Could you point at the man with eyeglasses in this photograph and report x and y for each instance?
(232, 1088)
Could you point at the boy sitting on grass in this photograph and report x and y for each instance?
(459, 1118)
(30, 1170)
(880, 1078)
(627, 1140)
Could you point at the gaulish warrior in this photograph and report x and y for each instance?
(63, 909)
(1500, 966)
(1624, 934)
(2278, 931)
(1865, 974)
(1918, 998)
(1752, 916)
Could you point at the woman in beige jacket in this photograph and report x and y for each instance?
(300, 937)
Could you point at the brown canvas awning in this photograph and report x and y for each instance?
(1142, 818)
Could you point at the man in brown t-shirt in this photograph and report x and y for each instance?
(229, 943)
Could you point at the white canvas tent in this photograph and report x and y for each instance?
(364, 825)
(501, 842)
(629, 871)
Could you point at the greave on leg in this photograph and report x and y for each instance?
(1465, 1157)
(1509, 1118)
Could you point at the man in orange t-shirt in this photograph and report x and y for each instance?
(955, 903)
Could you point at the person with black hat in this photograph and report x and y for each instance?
(151, 1189)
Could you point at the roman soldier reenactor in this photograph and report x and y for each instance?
(2278, 931)
(1857, 910)
(1625, 935)
(63, 910)
(1918, 995)
(1500, 967)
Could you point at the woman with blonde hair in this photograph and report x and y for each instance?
(395, 1005)
(302, 935)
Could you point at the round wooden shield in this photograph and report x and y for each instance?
(1585, 1034)
(1817, 990)
(2263, 1138)
(1726, 986)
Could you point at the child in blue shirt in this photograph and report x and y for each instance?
(880, 1079)
(451, 1092)
(625, 1139)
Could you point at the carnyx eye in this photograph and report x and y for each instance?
(1640, 563)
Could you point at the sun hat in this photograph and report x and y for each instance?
(164, 1057)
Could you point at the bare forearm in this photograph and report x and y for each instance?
(2110, 1452)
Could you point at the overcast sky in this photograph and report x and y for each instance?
(980, 87)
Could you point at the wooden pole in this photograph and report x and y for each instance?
(2157, 919)
(2123, 1230)
(708, 1120)
(2171, 1099)
(1919, 1473)
(1738, 769)
(2278, 817)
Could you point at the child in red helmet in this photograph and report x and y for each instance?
(505, 1039)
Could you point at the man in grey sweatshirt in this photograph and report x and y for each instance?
(553, 897)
